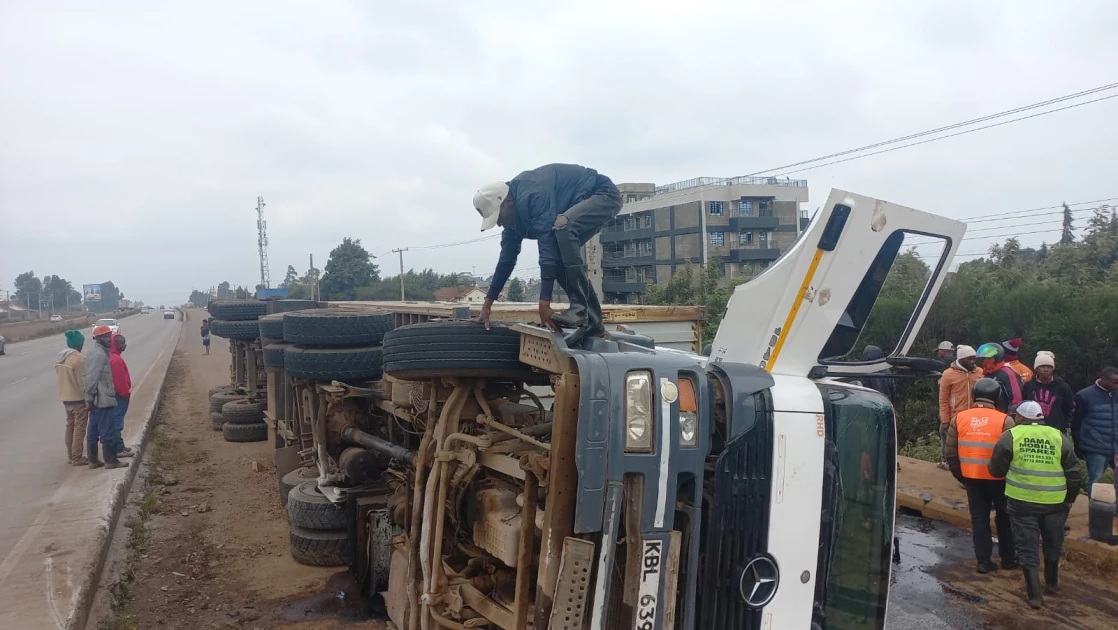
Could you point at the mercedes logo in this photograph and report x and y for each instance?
(758, 582)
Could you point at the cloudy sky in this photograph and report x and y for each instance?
(136, 136)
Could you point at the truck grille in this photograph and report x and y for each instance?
(738, 530)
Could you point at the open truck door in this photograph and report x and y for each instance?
(809, 308)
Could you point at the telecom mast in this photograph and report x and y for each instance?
(262, 242)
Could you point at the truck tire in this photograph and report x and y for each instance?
(333, 364)
(271, 326)
(237, 330)
(220, 399)
(336, 327)
(217, 421)
(320, 549)
(309, 509)
(255, 432)
(243, 411)
(237, 310)
(219, 389)
(273, 354)
(289, 481)
(448, 348)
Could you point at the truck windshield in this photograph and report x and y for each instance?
(859, 490)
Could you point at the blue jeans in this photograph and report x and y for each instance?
(118, 422)
(101, 428)
(1096, 467)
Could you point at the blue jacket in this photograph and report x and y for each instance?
(1095, 423)
(538, 197)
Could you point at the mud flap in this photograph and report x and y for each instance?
(573, 586)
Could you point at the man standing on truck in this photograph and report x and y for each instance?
(100, 393)
(561, 206)
(971, 436)
(1042, 481)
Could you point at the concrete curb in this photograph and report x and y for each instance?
(86, 589)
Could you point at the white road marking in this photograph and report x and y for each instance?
(16, 382)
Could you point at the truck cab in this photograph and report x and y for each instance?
(661, 489)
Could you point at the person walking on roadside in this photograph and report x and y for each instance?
(1042, 481)
(955, 393)
(1012, 348)
(945, 353)
(561, 206)
(1052, 392)
(991, 358)
(100, 394)
(206, 335)
(122, 382)
(69, 367)
(971, 436)
(1094, 425)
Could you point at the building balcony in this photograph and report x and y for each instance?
(622, 286)
(748, 254)
(614, 236)
(737, 224)
(628, 261)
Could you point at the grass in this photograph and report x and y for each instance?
(926, 448)
(122, 592)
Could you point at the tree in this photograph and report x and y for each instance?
(224, 292)
(110, 297)
(1067, 236)
(28, 288)
(290, 278)
(516, 290)
(708, 291)
(60, 290)
(199, 298)
(348, 268)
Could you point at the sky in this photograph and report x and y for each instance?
(136, 136)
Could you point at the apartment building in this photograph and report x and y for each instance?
(744, 223)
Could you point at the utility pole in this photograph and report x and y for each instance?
(401, 252)
(312, 276)
(262, 243)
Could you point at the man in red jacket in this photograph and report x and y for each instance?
(122, 381)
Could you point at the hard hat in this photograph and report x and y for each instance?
(946, 345)
(991, 351)
(1030, 410)
(101, 330)
(987, 389)
(487, 202)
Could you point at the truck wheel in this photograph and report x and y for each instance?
(255, 432)
(434, 349)
(237, 310)
(333, 364)
(243, 411)
(336, 327)
(271, 326)
(220, 399)
(309, 509)
(319, 548)
(289, 481)
(219, 389)
(237, 330)
(273, 354)
(217, 421)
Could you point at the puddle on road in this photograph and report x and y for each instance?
(341, 600)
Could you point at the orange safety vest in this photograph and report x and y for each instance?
(978, 430)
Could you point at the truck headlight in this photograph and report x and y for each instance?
(688, 428)
(638, 412)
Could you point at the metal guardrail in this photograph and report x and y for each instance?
(731, 181)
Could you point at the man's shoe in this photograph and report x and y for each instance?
(1051, 578)
(987, 566)
(81, 461)
(1010, 565)
(1032, 589)
(577, 285)
(127, 452)
(93, 460)
(110, 458)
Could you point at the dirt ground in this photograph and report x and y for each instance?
(204, 543)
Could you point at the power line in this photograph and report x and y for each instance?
(951, 135)
(981, 218)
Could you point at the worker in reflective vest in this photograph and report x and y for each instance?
(971, 436)
(1043, 480)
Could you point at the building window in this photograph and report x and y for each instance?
(745, 237)
(766, 209)
(717, 238)
(764, 238)
(648, 220)
(745, 208)
(715, 208)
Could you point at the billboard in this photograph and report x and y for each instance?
(92, 292)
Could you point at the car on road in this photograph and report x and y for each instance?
(2, 344)
(168, 314)
(55, 318)
(113, 324)
(145, 310)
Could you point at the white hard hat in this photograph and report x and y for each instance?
(487, 202)
(946, 345)
(1030, 410)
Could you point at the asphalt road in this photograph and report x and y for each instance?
(32, 421)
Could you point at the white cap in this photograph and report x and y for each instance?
(1044, 357)
(1030, 410)
(487, 202)
(946, 345)
(965, 352)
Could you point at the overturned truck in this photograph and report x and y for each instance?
(658, 489)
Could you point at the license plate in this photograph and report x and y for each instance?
(648, 595)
